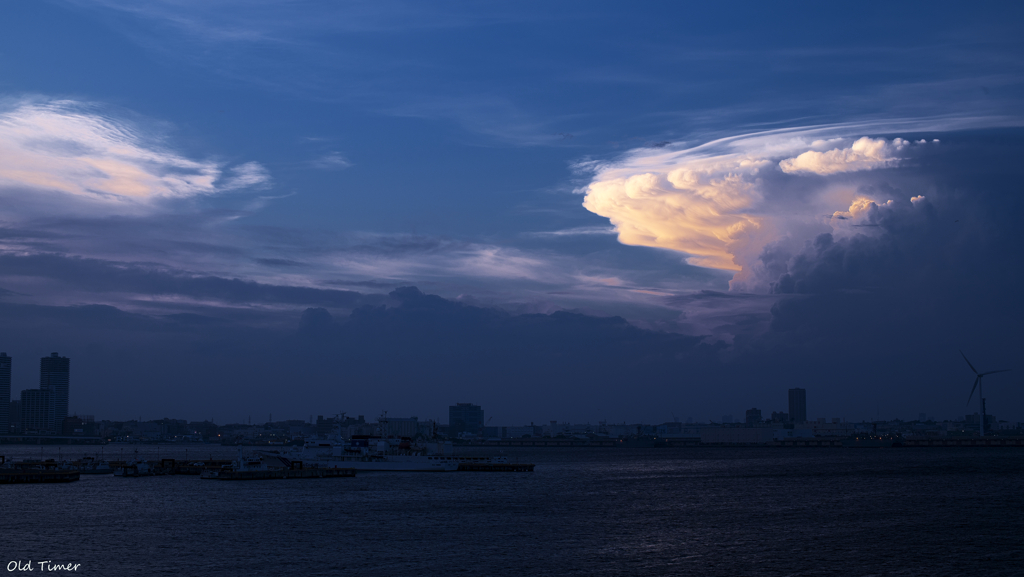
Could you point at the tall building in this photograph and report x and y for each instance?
(5, 394)
(465, 418)
(54, 376)
(15, 416)
(37, 411)
(798, 405)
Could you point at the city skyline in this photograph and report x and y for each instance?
(604, 211)
(44, 409)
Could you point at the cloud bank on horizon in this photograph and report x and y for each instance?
(722, 203)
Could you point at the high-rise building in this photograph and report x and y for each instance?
(5, 394)
(37, 411)
(15, 416)
(465, 418)
(54, 376)
(798, 405)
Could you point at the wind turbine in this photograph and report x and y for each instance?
(977, 385)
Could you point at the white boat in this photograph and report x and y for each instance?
(371, 453)
(385, 453)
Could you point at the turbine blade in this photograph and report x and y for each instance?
(969, 362)
(994, 372)
(976, 379)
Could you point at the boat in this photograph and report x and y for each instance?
(262, 466)
(135, 469)
(36, 472)
(90, 466)
(383, 452)
(372, 453)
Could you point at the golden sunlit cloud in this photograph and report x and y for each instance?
(63, 146)
(722, 202)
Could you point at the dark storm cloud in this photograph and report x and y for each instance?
(415, 358)
(876, 317)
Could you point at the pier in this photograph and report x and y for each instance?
(497, 467)
(11, 475)
(312, 473)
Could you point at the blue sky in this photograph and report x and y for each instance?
(520, 158)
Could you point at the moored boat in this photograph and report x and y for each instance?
(135, 469)
(263, 466)
(45, 472)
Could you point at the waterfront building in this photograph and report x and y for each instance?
(518, 432)
(736, 435)
(403, 427)
(798, 405)
(5, 394)
(753, 417)
(54, 376)
(465, 418)
(37, 411)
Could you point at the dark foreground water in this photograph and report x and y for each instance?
(583, 512)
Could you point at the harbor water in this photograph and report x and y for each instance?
(688, 511)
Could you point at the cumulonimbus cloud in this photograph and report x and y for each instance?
(722, 202)
(68, 147)
(864, 154)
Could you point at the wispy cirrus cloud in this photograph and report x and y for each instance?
(73, 149)
(576, 231)
(331, 161)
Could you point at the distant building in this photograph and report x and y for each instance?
(519, 432)
(324, 427)
(403, 427)
(54, 376)
(972, 421)
(5, 394)
(15, 415)
(736, 435)
(78, 426)
(798, 405)
(37, 411)
(834, 429)
(465, 418)
(753, 416)
(780, 417)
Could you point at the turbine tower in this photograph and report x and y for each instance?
(977, 385)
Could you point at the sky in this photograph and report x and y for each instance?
(572, 211)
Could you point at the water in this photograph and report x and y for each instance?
(696, 511)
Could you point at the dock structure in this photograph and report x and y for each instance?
(992, 441)
(11, 475)
(170, 466)
(497, 467)
(311, 473)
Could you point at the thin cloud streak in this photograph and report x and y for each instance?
(69, 148)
